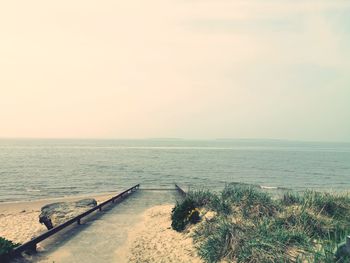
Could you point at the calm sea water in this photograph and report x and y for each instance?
(36, 169)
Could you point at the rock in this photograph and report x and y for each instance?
(57, 213)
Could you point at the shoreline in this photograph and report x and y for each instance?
(34, 204)
(61, 197)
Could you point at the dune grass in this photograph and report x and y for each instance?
(251, 226)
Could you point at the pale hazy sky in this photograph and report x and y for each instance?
(175, 68)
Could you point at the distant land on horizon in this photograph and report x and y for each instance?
(181, 139)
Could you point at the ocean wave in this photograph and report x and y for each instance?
(268, 187)
(32, 190)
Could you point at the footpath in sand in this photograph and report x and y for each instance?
(97, 240)
(136, 230)
(153, 240)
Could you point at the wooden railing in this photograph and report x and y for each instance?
(31, 245)
(180, 190)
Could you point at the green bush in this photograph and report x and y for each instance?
(6, 246)
(181, 213)
(187, 212)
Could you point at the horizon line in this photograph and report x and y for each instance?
(172, 139)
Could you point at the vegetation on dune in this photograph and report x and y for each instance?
(186, 212)
(251, 226)
(6, 246)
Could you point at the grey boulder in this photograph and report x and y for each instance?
(57, 213)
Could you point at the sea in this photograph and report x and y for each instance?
(47, 168)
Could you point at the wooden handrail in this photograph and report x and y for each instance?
(31, 245)
(180, 190)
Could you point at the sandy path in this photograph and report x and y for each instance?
(153, 240)
(150, 240)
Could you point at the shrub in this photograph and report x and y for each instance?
(183, 214)
(6, 246)
(186, 211)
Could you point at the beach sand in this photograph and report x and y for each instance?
(19, 221)
(153, 240)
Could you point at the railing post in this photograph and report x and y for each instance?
(180, 190)
(32, 248)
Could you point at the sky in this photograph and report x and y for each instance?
(196, 69)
